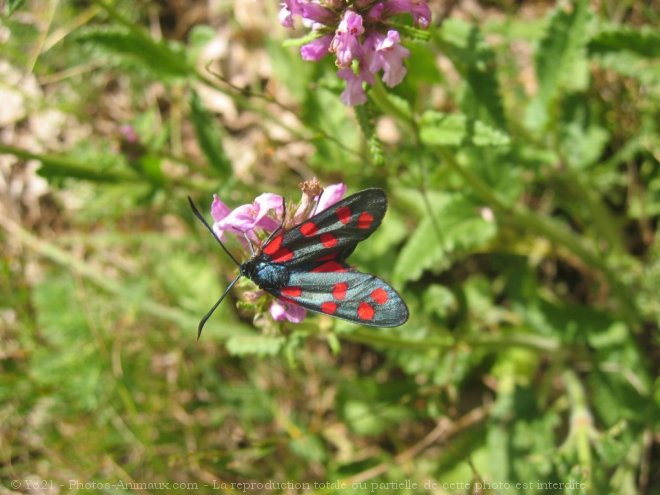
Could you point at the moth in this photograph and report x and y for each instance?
(306, 264)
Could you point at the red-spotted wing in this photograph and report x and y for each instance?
(331, 234)
(332, 288)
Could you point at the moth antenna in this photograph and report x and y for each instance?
(201, 219)
(208, 315)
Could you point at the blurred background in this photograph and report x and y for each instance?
(520, 159)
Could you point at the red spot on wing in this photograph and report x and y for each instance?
(327, 257)
(330, 266)
(291, 291)
(282, 255)
(339, 291)
(365, 311)
(379, 295)
(308, 229)
(365, 220)
(344, 214)
(329, 308)
(328, 240)
(274, 245)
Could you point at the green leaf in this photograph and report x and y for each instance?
(644, 42)
(259, 345)
(442, 129)
(410, 32)
(309, 447)
(560, 60)
(162, 58)
(199, 37)
(12, 6)
(464, 44)
(455, 227)
(628, 51)
(54, 166)
(646, 71)
(209, 136)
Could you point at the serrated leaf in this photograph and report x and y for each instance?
(455, 227)
(443, 129)
(464, 44)
(560, 59)
(259, 345)
(644, 42)
(629, 64)
(209, 136)
(158, 56)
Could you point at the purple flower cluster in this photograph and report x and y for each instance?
(254, 221)
(357, 33)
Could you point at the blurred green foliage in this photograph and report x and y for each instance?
(524, 187)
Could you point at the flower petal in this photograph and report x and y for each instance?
(318, 13)
(282, 310)
(262, 205)
(346, 43)
(316, 49)
(330, 196)
(354, 93)
(386, 53)
(241, 219)
(419, 9)
(219, 210)
(288, 9)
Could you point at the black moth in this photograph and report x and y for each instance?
(306, 264)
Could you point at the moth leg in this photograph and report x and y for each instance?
(249, 241)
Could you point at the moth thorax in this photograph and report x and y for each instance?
(266, 275)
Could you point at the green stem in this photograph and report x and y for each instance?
(54, 165)
(500, 340)
(581, 424)
(379, 96)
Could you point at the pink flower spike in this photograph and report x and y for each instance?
(316, 49)
(330, 196)
(281, 310)
(346, 44)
